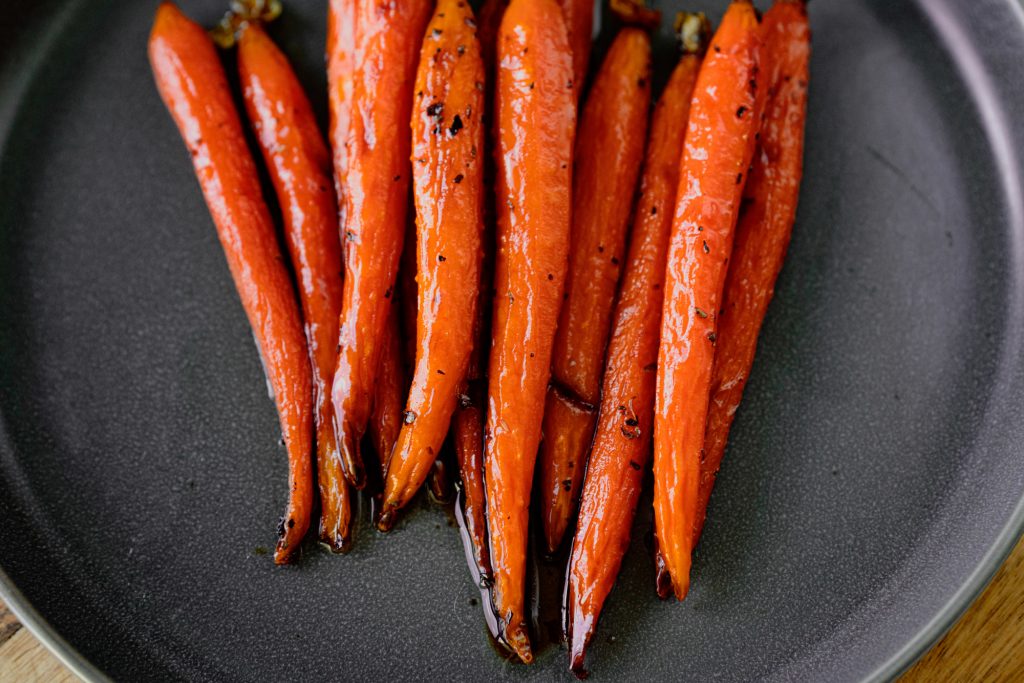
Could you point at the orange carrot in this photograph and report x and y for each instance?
(470, 413)
(717, 153)
(609, 150)
(622, 442)
(536, 123)
(387, 37)
(300, 168)
(192, 83)
(448, 143)
(764, 228)
(389, 394)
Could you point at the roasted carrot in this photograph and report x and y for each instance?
(623, 438)
(609, 151)
(764, 228)
(300, 169)
(717, 153)
(192, 83)
(387, 37)
(471, 413)
(579, 24)
(536, 119)
(388, 394)
(448, 143)
(438, 479)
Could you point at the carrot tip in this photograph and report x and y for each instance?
(334, 542)
(387, 519)
(283, 554)
(516, 638)
(693, 31)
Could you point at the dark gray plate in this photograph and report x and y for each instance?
(876, 471)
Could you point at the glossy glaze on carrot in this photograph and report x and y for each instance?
(193, 85)
(609, 151)
(300, 169)
(448, 154)
(579, 24)
(717, 153)
(387, 39)
(471, 413)
(622, 442)
(389, 394)
(764, 229)
(535, 104)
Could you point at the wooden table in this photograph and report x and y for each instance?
(986, 645)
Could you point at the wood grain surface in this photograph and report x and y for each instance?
(986, 645)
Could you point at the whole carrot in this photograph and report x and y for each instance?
(579, 24)
(764, 228)
(717, 153)
(609, 151)
(389, 394)
(192, 83)
(300, 169)
(471, 413)
(623, 438)
(536, 122)
(387, 37)
(448, 143)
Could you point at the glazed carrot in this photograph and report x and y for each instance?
(387, 37)
(448, 143)
(300, 169)
(609, 151)
(717, 153)
(764, 228)
(579, 24)
(536, 123)
(623, 438)
(470, 413)
(389, 394)
(192, 83)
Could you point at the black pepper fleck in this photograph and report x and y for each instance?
(456, 126)
(458, 179)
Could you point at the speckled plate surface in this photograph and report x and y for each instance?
(876, 471)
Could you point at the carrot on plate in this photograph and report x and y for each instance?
(448, 144)
(470, 413)
(389, 394)
(387, 38)
(622, 442)
(300, 169)
(717, 153)
(536, 120)
(764, 228)
(609, 151)
(192, 83)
